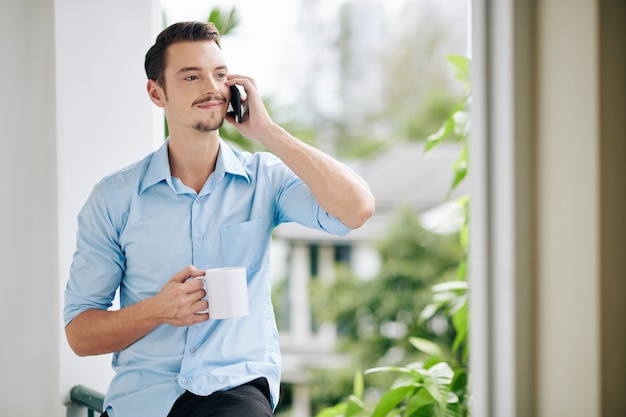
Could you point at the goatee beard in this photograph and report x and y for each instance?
(208, 127)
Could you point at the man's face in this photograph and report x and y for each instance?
(195, 95)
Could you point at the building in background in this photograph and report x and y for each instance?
(403, 176)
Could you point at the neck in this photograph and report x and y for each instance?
(192, 158)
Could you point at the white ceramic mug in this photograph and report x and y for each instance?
(227, 292)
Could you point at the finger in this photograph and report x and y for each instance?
(199, 306)
(234, 78)
(243, 80)
(195, 288)
(186, 273)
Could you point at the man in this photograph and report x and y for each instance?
(192, 205)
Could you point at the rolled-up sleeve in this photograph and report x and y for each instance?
(98, 262)
(296, 203)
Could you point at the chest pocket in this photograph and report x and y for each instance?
(244, 244)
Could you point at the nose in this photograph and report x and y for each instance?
(210, 86)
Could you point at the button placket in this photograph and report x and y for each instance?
(191, 356)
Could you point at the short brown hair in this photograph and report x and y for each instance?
(178, 32)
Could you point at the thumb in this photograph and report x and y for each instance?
(184, 274)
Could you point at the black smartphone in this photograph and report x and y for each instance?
(235, 103)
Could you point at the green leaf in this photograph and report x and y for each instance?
(225, 22)
(460, 168)
(460, 67)
(429, 410)
(461, 122)
(458, 115)
(334, 411)
(421, 399)
(460, 286)
(359, 385)
(460, 319)
(444, 131)
(453, 413)
(446, 297)
(453, 398)
(437, 381)
(464, 235)
(460, 322)
(389, 369)
(391, 399)
(426, 346)
(461, 269)
(459, 383)
(429, 312)
(463, 201)
(354, 406)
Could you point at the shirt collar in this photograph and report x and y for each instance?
(159, 166)
(228, 159)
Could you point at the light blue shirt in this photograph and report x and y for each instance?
(140, 226)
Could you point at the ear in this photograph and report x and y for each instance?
(156, 93)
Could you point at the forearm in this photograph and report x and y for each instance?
(95, 332)
(338, 189)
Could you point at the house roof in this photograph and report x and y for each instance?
(402, 176)
(405, 175)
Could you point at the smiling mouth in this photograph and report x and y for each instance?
(209, 102)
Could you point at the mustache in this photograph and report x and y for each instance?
(209, 98)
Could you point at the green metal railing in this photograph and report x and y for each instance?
(88, 398)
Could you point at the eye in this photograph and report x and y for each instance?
(221, 75)
(191, 78)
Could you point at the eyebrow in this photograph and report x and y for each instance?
(190, 69)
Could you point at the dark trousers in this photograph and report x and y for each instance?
(250, 400)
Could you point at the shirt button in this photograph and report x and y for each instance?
(183, 381)
(200, 238)
(192, 350)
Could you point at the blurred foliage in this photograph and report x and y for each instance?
(388, 306)
(435, 381)
(329, 387)
(375, 317)
(456, 126)
(426, 92)
(416, 87)
(224, 21)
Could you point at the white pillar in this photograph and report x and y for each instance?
(326, 263)
(299, 309)
(29, 325)
(568, 211)
(326, 274)
(301, 400)
(502, 246)
(365, 261)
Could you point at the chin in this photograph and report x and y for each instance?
(208, 126)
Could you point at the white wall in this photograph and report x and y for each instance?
(568, 338)
(73, 107)
(104, 122)
(29, 345)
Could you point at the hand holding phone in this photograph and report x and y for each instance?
(235, 104)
